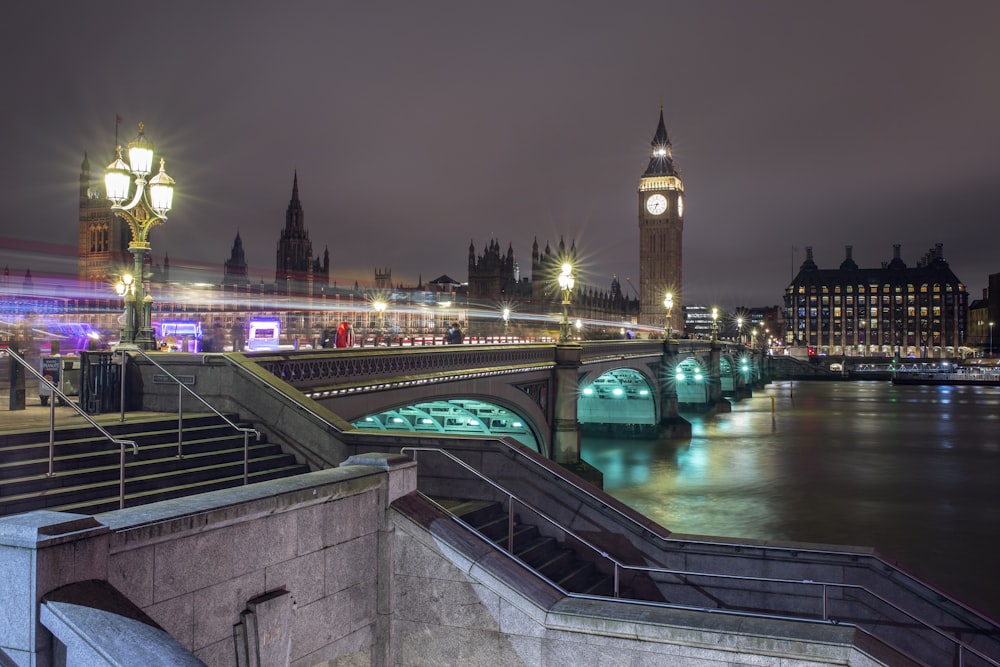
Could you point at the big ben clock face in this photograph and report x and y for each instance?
(656, 204)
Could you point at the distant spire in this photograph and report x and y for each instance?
(295, 186)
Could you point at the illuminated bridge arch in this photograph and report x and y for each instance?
(691, 378)
(618, 396)
(457, 416)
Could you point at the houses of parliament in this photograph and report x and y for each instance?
(303, 297)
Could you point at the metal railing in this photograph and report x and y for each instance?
(181, 388)
(52, 425)
(823, 615)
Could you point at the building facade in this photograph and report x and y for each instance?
(103, 237)
(894, 311)
(661, 229)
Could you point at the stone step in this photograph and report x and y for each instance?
(108, 454)
(188, 475)
(106, 467)
(86, 464)
(11, 454)
(109, 503)
(544, 554)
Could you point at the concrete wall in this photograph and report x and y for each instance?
(295, 560)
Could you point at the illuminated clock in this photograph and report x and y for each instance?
(656, 204)
(680, 205)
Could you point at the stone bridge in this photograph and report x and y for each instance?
(541, 394)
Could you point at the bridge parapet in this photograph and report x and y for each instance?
(332, 368)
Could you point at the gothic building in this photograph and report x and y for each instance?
(894, 310)
(296, 272)
(495, 274)
(235, 272)
(661, 228)
(103, 237)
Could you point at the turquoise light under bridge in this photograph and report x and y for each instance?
(456, 416)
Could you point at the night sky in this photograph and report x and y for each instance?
(417, 127)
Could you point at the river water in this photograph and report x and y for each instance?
(912, 470)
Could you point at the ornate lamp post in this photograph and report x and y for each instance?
(506, 319)
(715, 323)
(668, 303)
(566, 285)
(991, 339)
(739, 330)
(147, 208)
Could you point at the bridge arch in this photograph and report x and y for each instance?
(691, 378)
(618, 396)
(458, 416)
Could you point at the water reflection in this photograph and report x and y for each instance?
(911, 471)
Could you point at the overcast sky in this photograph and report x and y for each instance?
(417, 127)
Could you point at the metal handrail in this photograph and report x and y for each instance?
(312, 413)
(517, 451)
(618, 566)
(52, 426)
(180, 410)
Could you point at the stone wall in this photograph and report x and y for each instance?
(290, 568)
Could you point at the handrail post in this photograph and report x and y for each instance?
(826, 610)
(52, 431)
(510, 524)
(122, 388)
(246, 457)
(617, 579)
(121, 477)
(180, 421)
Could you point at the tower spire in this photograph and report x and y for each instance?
(661, 158)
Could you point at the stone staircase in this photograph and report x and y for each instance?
(86, 464)
(571, 568)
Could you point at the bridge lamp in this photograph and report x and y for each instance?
(506, 319)
(715, 323)
(668, 303)
(380, 307)
(588, 391)
(566, 283)
(125, 288)
(739, 329)
(991, 338)
(147, 208)
(680, 375)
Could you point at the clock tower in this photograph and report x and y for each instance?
(661, 227)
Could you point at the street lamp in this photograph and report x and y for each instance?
(991, 339)
(715, 323)
(739, 330)
(147, 208)
(566, 285)
(125, 288)
(380, 307)
(506, 319)
(668, 303)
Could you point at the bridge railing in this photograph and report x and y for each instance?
(802, 600)
(318, 368)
